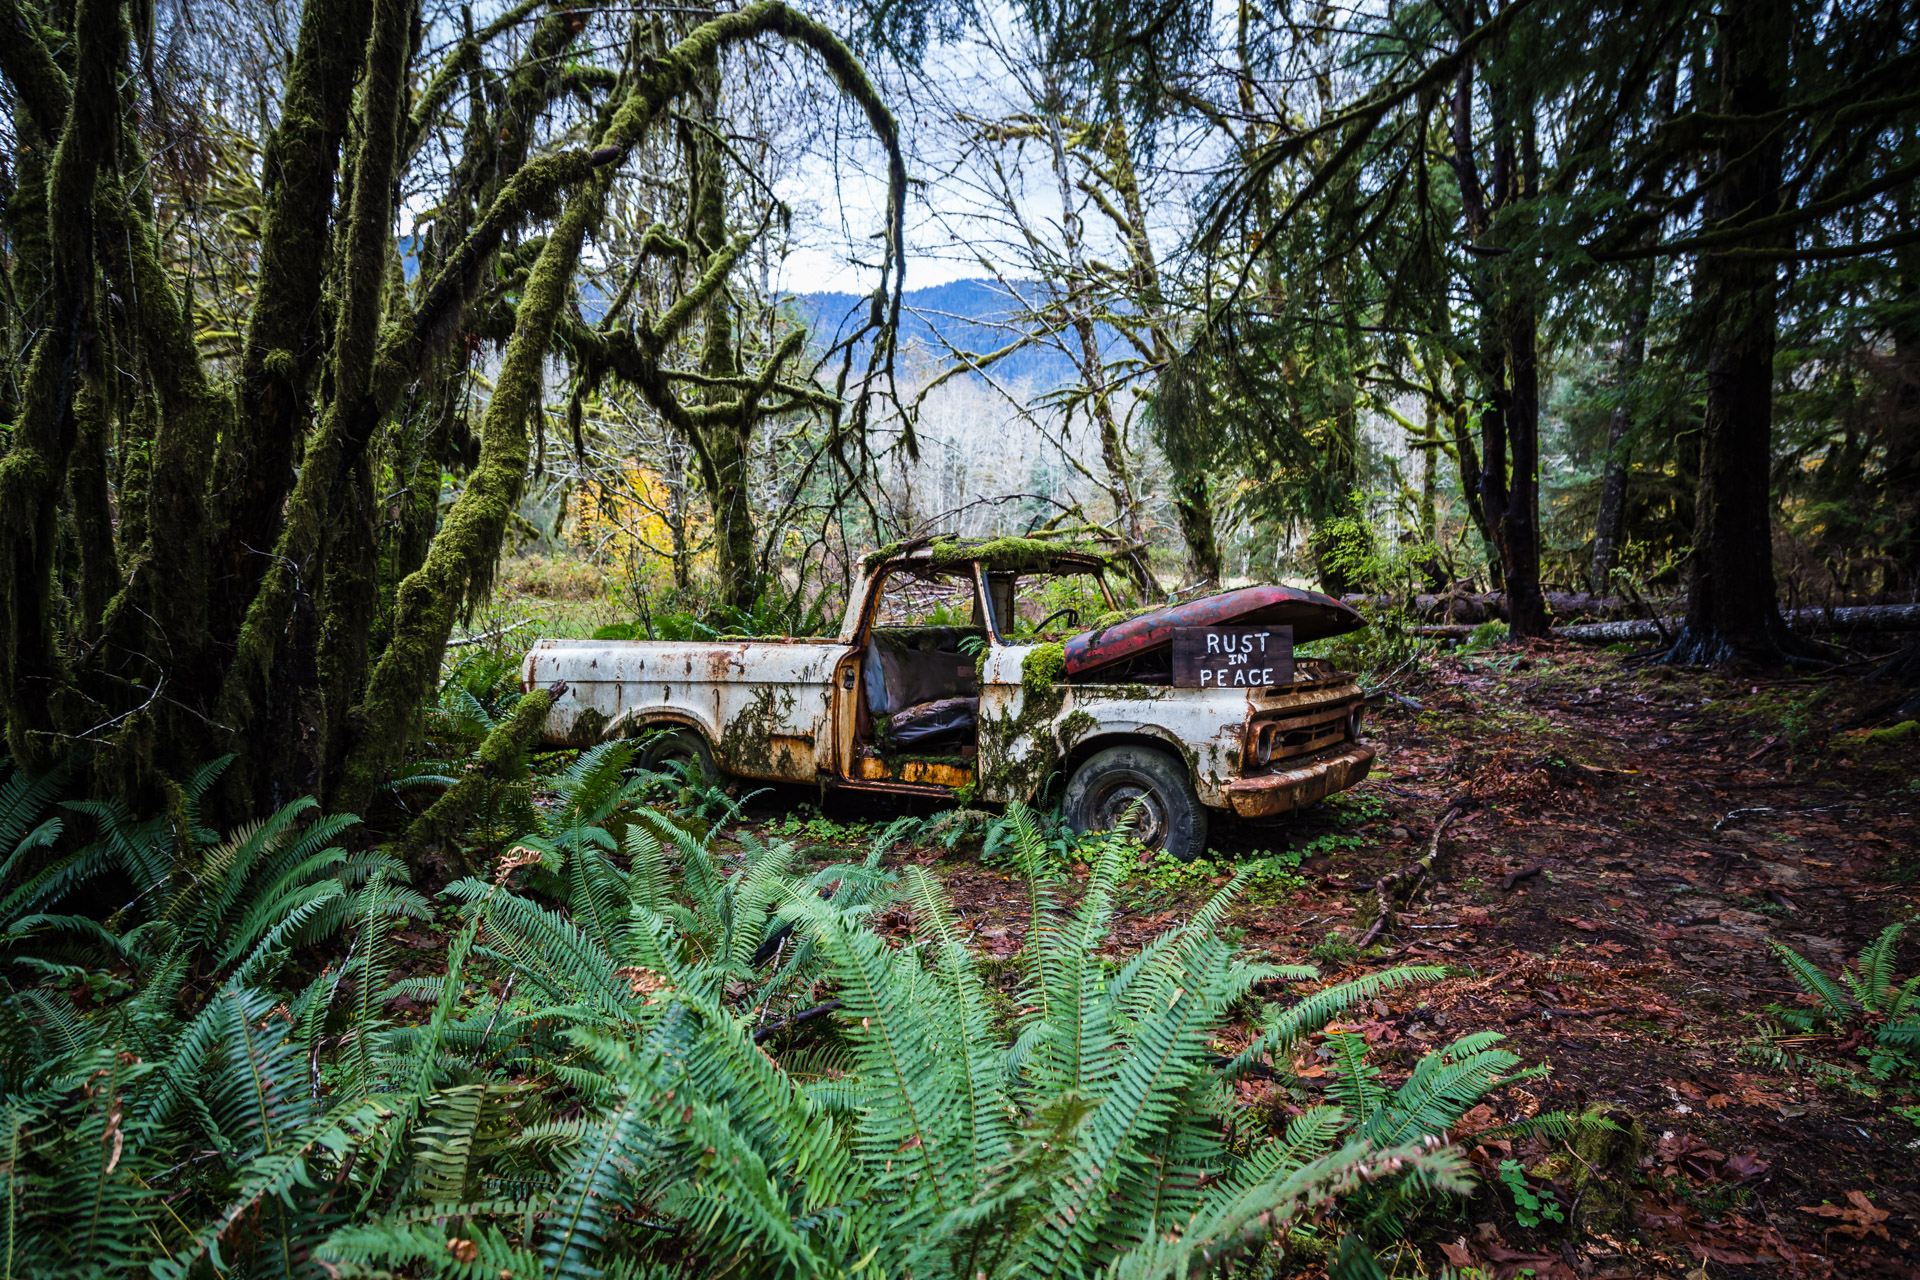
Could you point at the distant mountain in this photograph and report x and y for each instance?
(968, 314)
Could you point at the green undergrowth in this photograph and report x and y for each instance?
(646, 1041)
(1867, 1012)
(1267, 877)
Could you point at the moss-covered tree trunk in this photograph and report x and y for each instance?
(285, 334)
(1733, 615)
(459, 564)
(33, 470)
(729, 438)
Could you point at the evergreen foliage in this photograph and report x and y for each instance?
(610, 1077)
(1868, 1009)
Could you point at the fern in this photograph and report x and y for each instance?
(584, 1094)
(1869, 999)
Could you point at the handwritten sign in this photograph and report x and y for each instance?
(1232, 657)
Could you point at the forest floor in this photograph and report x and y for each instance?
(1635, 838)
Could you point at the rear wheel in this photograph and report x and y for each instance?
(683, 752)
(1141, 790)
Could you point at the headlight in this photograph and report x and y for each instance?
(1354, 719)
(1263, 736)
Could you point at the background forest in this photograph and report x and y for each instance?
(1410, 296)
(350, 343)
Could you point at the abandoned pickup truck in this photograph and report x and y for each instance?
(997, 671)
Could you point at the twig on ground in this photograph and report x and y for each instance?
(485, 636)
(1416, 870)
(1734, 813)
(1513, 878)
(764, 1034)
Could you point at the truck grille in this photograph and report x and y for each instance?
(1296, 735)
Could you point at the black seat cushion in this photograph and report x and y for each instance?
(931, 721)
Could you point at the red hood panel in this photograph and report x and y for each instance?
(1311, 615)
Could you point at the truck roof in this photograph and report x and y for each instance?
(999, 555)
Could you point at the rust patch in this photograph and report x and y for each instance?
(924, 772)
(1272, 793)
(1312, 616)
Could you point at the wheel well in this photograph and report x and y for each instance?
(1087, 748)
(637, 727)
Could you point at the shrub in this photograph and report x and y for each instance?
(634, 1068)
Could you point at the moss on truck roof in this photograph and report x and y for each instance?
(1001, 555)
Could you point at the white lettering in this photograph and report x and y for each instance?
(1263, 641)
(1206, 673)
(1213, 643)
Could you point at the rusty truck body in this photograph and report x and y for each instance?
(942, 683)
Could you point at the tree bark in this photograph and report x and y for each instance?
(1732, 612)
(1609, 526)
(730, 439)
(33, 470)
(254, 469)
(1520, 517)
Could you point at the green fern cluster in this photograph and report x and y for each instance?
(623, 1065)
(1868, 1007)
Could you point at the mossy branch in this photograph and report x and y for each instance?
(711, 281)
(30, 68)
(461, 559)
(502, 757)
(465, 58)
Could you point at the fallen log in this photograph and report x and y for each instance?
(1865, 617)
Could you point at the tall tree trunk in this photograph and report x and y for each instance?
(33, 470)
(729, 439)
(254, 469)
(1732, 612)
(1520, 518)
(1609, 525)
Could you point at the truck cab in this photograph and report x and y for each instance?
(993, 671)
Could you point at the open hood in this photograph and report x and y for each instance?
(1311, 615)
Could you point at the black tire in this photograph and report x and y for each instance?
(681, 745)
(1142, 788)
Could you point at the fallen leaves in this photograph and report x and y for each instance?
(1860, 1221)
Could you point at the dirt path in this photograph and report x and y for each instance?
(1630, 843)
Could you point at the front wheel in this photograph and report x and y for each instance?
(1142, 791)
(685, 748)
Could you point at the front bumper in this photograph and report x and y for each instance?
(1311, 778)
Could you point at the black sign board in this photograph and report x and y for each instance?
(1232, 657)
